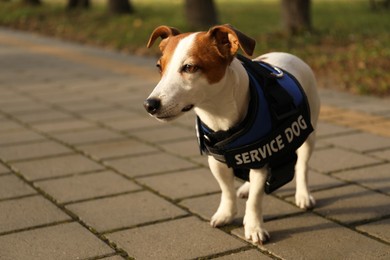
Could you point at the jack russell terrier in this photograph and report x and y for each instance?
(255, 118)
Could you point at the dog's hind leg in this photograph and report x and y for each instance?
(228, 206)
(243, 191)
(303, 199)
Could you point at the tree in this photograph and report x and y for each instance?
(32, 2)
(296, 16)
(120, 6)
(200, 14)
(74, 4)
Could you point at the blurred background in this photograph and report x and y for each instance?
(346, 42)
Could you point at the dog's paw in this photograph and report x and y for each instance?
(254, 231)
(243, 191)
(305, 201)
(222, 218)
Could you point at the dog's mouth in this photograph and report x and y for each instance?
(170, 117)
(187, 108)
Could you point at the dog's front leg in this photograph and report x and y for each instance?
(253, 220)
(228, 206)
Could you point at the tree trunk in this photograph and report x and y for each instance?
(81, 4)
(201, 14)
(296, 16)
(32, 2)
(120, 6)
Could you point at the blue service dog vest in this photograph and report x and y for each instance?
(276, 125)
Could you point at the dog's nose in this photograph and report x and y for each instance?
(152, 105)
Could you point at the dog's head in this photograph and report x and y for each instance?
(192, 67)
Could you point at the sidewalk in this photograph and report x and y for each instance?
(85, 173)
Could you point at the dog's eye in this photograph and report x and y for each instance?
(189, 68)
(159, 67)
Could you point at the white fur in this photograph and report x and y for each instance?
(224, 104)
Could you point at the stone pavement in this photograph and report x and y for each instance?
(86, 174)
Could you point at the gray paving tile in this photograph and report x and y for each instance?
(63, 126)
(245, 255)
(361, 142)
(317, 181)
(125, 211)
(351, 204)
(186, 238)
(132, 124)
(57, 166)
(17, 137)
(335, 159)
(384, 154)
(28, 212)
(66, 241)
(3, 168)
(310, 237)
(206, 206)
(40, 116)
(32, 150)
(379, 229)
(164, 133)
(149, 164)
(327, 129)
(183, 184)
(8, 125)
(86, 186)
(88, 136)
(187, 148)
(375, 177)
(109, 115)
(11, 186)
(117, 148)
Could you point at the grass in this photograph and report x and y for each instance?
(349, 48)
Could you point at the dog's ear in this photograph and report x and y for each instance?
(229, 40)
(163, 32)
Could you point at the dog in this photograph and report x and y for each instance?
(200, 71)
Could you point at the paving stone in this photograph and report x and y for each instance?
(206, 206)
(310, 237)
(187, 238)
(87, 186)
(117, 148)
(375, 177)
(351, 204)
(66, 241)
(57, 166)
(132, 124)
(317, 181)
(88, 136)
(183, 184)
(32, 150)
(245, 255)
(379, 229)
(11, 186)
(40, 116)
(335, 159)
(7, 126)
(112, 114)
(361, 142)
(328, 129)
(149, 164)
(125, 211)
(164, 133)
(3, 169)
(384, 154)
(28, 212)
(17, 137)
(62, 126)
(187, 148)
